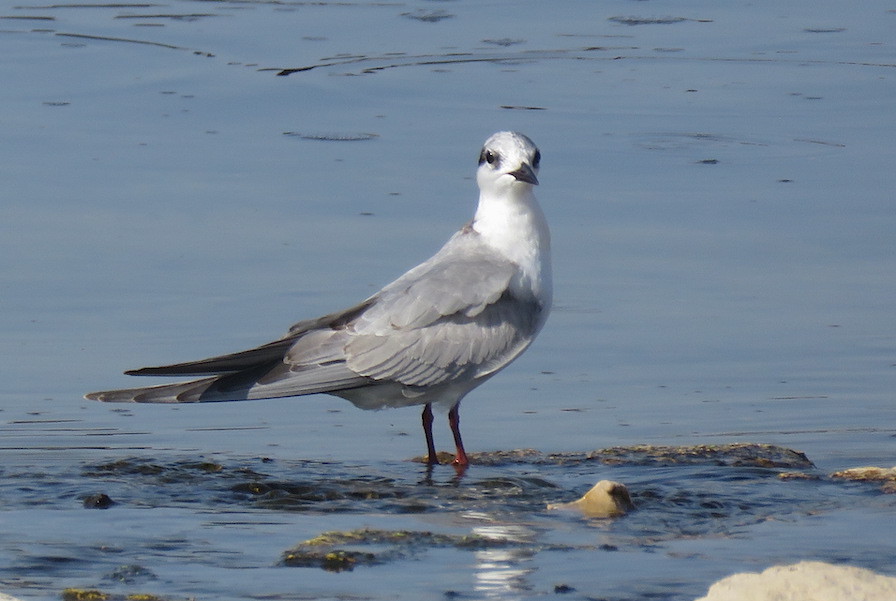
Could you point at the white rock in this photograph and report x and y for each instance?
(805, 581)
(606, 499)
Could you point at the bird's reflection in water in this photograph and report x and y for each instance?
(502, 573)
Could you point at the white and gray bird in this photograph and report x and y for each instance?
(429, 337)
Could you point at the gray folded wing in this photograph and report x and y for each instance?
(451, 319)
(448, 319)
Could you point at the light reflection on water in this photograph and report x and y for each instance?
(500, 572)
(722, 223)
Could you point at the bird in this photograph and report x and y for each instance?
(428, 338)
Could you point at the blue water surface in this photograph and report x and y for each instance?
(183, 179)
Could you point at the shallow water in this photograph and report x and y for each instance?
(189, 178)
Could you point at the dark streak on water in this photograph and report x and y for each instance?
(332, 136)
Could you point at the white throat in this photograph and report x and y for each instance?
(510, 220)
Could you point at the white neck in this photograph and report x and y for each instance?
(511, 221)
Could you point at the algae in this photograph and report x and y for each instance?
(728, 455)
(337, 550)
(75, 594)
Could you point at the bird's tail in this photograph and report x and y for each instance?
(268, 371)
(179, 392)
(263, 381)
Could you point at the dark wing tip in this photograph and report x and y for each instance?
(143, 371)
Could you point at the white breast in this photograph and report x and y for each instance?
(514, 225)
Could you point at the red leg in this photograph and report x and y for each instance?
(460, 458)
(431, 457)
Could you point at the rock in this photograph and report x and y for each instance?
(886, 476)
(606, 499)
(728, 455)
(731, 455)
(798, 476)
(98, 501)
(805, 581)
(343, 551)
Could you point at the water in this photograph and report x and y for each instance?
(719, 184)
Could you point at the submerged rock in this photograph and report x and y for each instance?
(79, 594)
(606, 499)
(342, 551)
(798, 476)
(98, 501)
(728, 455)
(331, 561)
(886, 476)
(732, 455)
(805, 581)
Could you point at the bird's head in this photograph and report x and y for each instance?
(508, 159)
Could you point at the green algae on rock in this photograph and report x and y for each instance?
(338, 551)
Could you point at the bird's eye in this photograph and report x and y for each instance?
(536, 159)
(488, 156)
